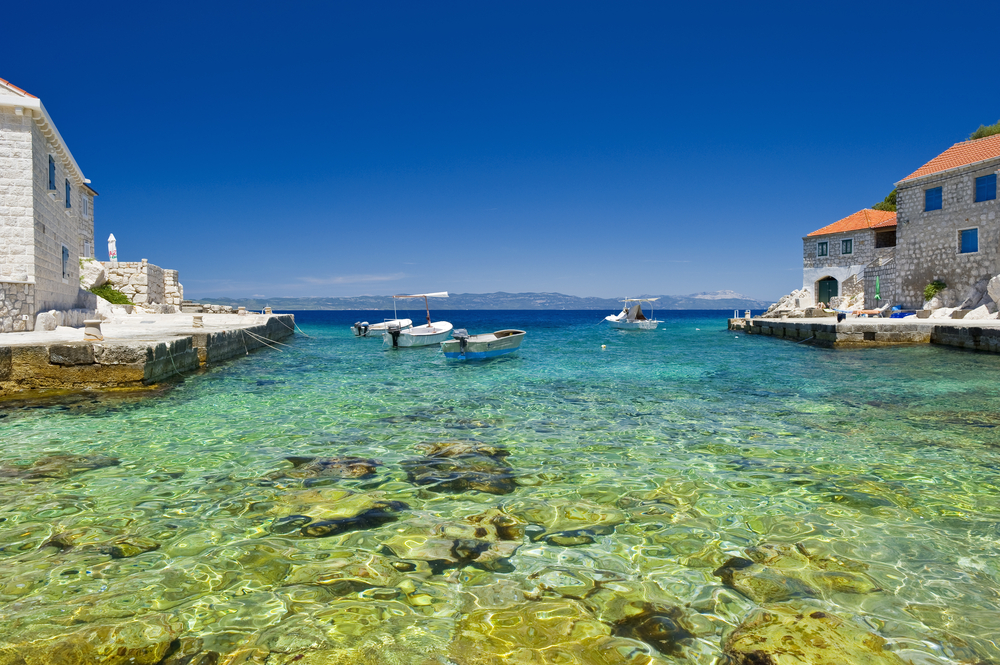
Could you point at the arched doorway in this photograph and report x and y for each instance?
(826, 288)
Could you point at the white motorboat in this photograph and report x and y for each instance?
(632, 317)
(426, 335)
(483, 346)
(365, 329)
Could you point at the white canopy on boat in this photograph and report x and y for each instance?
(641, 299)
(439, 294)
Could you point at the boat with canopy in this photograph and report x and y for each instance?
(632, 317)
(425, 335)
(365, 329)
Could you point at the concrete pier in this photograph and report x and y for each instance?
(978, 335)
(137, 350)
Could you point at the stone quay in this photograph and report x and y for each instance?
(136, 351)
(976, 335)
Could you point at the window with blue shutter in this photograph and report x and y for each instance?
(69, 203)
(932, 199)
(822, 249)
(986, 188)
(65, 262)
(52, 173)
(969, 241)
(847, 246)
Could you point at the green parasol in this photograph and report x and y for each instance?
(878, 294)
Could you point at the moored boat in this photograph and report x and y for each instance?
(426, 335)
(632, 317)
(478, 347)
(364, 329)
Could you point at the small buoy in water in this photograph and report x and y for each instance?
(737, 336)
(604, 346)
(697, 328)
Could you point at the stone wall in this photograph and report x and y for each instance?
(17, 306)
(144, 283)
(928, 241)
(55, 227)
(173, 290)
(888, 286)
(17, 250)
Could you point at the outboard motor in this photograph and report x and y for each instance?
(394, 333)
(462, 335)
(360, 329)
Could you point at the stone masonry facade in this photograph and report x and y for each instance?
(145, 283)
(929, 241)
(847, 269)
(17, 306)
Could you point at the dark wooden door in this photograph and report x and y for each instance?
(826, 289)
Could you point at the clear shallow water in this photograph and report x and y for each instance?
(680, 448)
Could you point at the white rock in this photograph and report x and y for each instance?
(92, 274)
(993, 288)
(978, 313)
(943, 313)
(46, 321)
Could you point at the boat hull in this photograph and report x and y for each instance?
(430, 335)
(482, 347)
(634, 325)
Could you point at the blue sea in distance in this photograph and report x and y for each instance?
(639, 464)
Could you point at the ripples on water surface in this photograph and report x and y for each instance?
(639, 470)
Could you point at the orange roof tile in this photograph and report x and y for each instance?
(860, 221)
(960, 154)
(16, 88)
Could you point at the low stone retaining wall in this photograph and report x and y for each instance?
(857, 333)
(17, 306)
(75, 366)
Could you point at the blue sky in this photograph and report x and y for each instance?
(587, 148)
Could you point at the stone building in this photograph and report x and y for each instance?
(840, 259)
(46, 215)
(948, 222)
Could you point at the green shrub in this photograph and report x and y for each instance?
(985, 130)
(934, 288)
(111, 294)
(888, 203)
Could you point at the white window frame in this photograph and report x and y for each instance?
(823, 242)
(84, 205)
(853, 243)
(88, 249)
(958, 237)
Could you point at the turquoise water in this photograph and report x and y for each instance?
(637, 470)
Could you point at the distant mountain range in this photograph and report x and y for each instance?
(499, 300)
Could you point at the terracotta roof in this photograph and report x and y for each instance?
(960, 154)
(860, 221)
(8, 83)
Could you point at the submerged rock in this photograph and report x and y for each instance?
(486, 540)
(142, 641)
(659, 626)
(103, 540)
(311, 468)
(789, 636)
(321, 513)
(58, 466)
(774, 573)
(461, 466)
(566, 523)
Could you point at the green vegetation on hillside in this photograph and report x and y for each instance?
(111, 294)
(985, 130)
(888, 203)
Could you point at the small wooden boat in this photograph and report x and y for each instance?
(396, 337)
(364, 329)
(631, 316)
(477, 347)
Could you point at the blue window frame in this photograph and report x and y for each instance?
(847, 246)
(969, 241)
(986, 188)
(69, 203)
(932, 199)
(52, 173)
(65, 258)
(822, 249)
